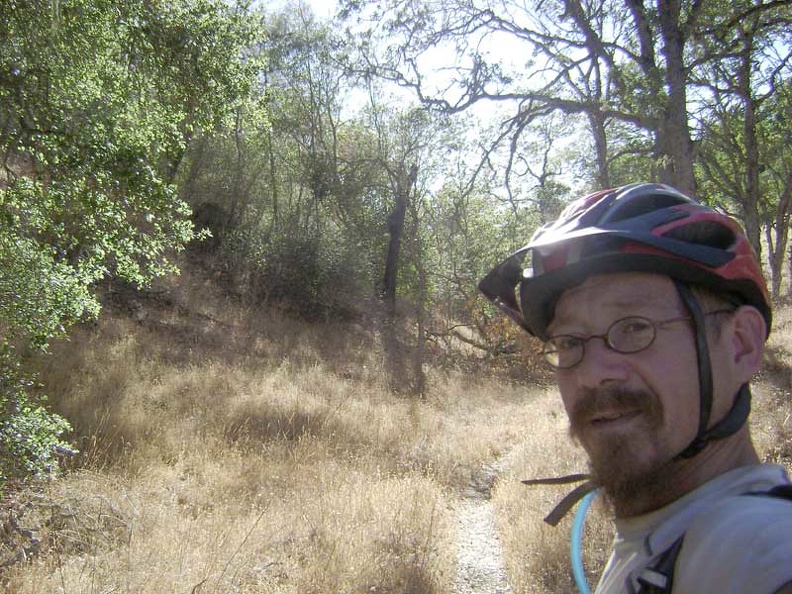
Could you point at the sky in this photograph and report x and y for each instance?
(321, 8)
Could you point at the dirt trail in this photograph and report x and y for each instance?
(479, 554)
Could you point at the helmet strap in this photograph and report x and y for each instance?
(735, 418)
(704, 369)
(741, 407)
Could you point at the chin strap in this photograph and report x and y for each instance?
(730, 424)
(734, 419)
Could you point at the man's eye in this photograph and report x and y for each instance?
(634, 326)
(565, 343)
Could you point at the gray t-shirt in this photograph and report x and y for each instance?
(733, 543)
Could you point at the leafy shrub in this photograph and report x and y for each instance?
(313, 277)
(30, 436)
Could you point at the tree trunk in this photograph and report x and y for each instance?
(404, 184)
(789, 271)
(674, 145)
(751, 196)
(773, 252)
(597, 123)
(783, 211)
(419, 385)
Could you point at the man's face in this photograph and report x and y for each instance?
(632, 413)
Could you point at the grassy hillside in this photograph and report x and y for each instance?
(229, 450)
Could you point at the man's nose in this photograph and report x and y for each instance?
(600, 364)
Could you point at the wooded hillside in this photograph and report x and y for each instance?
(379, 162)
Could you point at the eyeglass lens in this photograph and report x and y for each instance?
(627, 335)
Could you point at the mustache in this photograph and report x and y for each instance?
(594, 400)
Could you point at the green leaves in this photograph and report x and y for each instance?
(98, 101)
(30, 436)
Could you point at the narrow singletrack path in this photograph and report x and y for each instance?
(480, 567)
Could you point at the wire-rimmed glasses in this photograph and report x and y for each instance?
(631, 334)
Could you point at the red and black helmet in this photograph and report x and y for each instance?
(643, 227)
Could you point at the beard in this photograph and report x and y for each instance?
(624, 464)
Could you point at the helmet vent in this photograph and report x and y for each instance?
(707, 233)
(642, 204)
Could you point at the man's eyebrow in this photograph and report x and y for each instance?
(640, 301)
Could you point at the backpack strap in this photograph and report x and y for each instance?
(658, 578)
(779, 491)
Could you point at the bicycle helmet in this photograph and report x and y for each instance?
(645, 227)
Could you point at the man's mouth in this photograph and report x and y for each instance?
(613, 410)
(613, 418)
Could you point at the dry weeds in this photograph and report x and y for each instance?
(283, 467)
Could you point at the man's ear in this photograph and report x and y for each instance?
(747, 340)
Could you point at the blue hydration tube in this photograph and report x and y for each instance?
(575, 544)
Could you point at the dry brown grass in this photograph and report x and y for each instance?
(223, 451)
(772, 413)
(284, 466)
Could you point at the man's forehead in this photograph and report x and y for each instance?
(621, 288)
